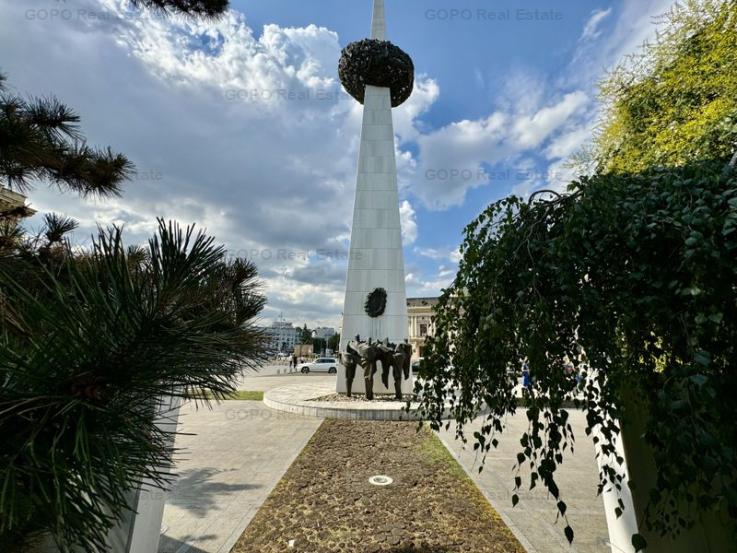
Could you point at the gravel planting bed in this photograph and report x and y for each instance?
(325, 503)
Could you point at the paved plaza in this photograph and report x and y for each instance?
(235, 453)
(232, 456)
(533, 519)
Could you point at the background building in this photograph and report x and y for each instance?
(323, 332)
(13, 206)
(281, 336)
(419, 315)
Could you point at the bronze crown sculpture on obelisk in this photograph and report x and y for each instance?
(379, 75)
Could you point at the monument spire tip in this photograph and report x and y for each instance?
(378, 23)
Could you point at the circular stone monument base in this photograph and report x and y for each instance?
(315, 400)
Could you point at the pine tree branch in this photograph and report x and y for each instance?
(53, 117)
(40, 140)
(197, 8)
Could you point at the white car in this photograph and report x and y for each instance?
(321, 365)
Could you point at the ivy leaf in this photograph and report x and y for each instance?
(702, 358)
(569, 534)
(716, 317)
(515, 500)
(562, 507)
(638, 542)
(698, 379)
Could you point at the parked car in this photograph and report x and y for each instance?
(321, 365)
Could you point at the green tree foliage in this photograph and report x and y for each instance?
(630, 277)
(304, 335)
(633, 280)
(676, 102)
(334, 342)
(85, 351)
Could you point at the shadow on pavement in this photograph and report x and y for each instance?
(170, 545)
(195, 492)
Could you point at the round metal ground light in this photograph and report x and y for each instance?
(380, 480)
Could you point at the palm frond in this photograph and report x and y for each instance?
(57, 226)
(94, 344)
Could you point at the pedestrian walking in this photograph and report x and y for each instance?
(526, 380)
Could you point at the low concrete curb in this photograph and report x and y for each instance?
(296, 398)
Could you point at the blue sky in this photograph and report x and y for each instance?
(241, 125)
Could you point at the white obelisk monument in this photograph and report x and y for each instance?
(376, 258)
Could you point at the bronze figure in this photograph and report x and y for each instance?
(350, 359)
(394, 357)
(369, 353)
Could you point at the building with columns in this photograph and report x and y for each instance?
(13, 206)
(419, 314)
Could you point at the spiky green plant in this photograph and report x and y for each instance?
(88, 343)
(85, 351)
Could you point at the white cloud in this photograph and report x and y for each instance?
(560, 174)
(568, 142)
(446, 272)
(255, 140)
(440, 254)
(425, 93)
(530, 132)
(528, 178)
(431, 286)
(591, 30)
(250, 133)
(595, 55)
(282, 65)
(452, 159)
(635, 23)
(409, 225)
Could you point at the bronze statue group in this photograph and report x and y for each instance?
(366, 354)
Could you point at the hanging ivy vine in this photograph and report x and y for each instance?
(630, 278)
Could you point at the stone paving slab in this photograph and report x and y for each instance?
(242, 449)
(235, 455)
(259, 382)
(533, 520)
